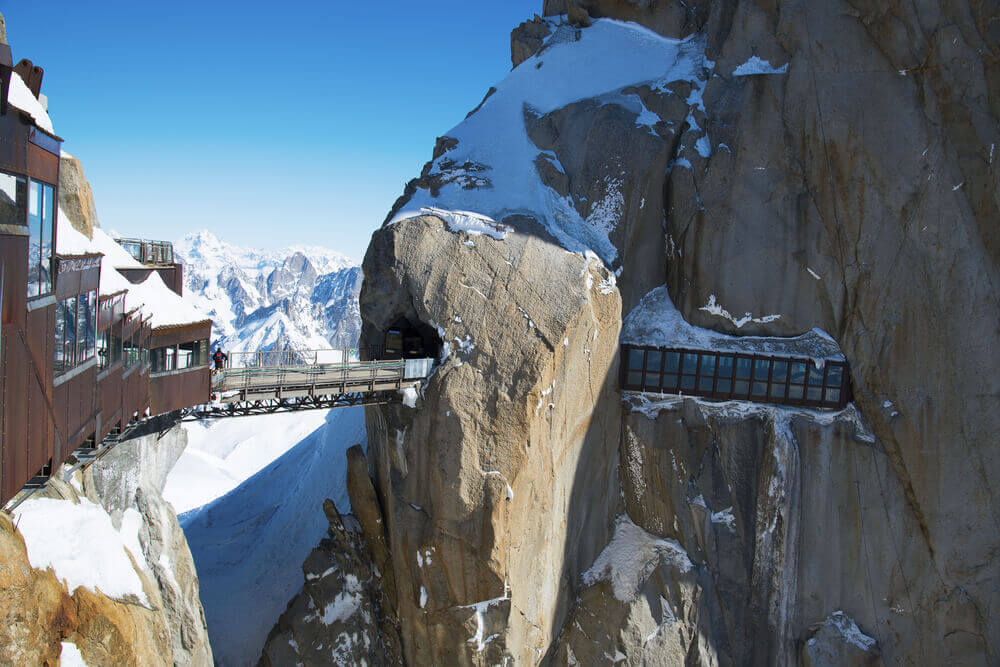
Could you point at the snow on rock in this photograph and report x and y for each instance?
(409, 395)
(20, 96)
(656, 322)
(465, 221)
(491, 168)
(631, 557)
(850, 631)
(716, 309)
(249, 544)
(70, 656)
(345, 604)
(755, 65)
(780, 415)
(82, 546)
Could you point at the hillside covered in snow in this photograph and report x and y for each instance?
(301, 297)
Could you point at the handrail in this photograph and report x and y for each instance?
(288, 357)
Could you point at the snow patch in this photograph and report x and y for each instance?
(755, 65)
(409, 395)
(715, 309)
(82, 546)
(631, 557)
(70, 655)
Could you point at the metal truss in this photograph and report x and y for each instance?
(275, 405)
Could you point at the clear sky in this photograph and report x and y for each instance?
(267, 123)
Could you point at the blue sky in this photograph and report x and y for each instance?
(269, 124)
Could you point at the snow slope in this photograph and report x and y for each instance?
(502, 178)
(222, 454)
(249, 544)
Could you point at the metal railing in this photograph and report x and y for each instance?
(289, 358)
(311, 378)
(155, 253)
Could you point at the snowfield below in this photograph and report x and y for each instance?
(249, 544)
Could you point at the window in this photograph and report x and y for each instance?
(76, 331)
(635, 361)
(109, 348)
(65, 335)
(13, 200)
(815, 390)
(654, 361)
(40, 238)
(706, 373)
(834, 382)
(192, 354)
(761, 370)
(741, 387)
(724, 383)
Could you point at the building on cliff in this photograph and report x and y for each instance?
(92, 337)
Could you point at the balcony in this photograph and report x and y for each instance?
(150, 253)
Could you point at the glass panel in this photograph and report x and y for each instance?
(835, 375)
(634, 380)
(761, 367)
(669, 383)
(723, 386)
(170, 358)
(778, 391)
(45, 261)
(651, 382)
(743, 368)
(634, 357)
(779, 371)
(671, 362)
(653, 359)
(832, 395)
(707, 365)
(815, 394)
(798, 372)
(795, 392)
(67, 313)
(35, 237)
(741, 387)
(725, 367)
(760, 389)
(705, 384)
(815, 375)
(13, 200)
(184, 357)
(91, 323)
(157, 357)
(687, 383)
(691, 363)
(103, 345)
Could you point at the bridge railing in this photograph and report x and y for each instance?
(288, 358)
(310, 376)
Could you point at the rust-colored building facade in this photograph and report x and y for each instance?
(75, 364)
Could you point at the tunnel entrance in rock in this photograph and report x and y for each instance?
(407, 340)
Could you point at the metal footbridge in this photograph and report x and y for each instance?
(298, 384)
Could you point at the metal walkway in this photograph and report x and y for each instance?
(264, 390)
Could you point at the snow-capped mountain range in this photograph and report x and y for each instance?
(300, 297)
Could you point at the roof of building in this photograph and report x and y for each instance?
(20, 96)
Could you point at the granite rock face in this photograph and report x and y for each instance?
(821, 165)
(353, 629)
(487, 540)
(41, 613)
(75, 196)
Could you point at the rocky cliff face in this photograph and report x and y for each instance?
(160, 622)
(76, 200)
(778, 168)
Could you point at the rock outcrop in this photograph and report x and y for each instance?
(167, 627)
(76, 199)
(338, 618)
(777, 168)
